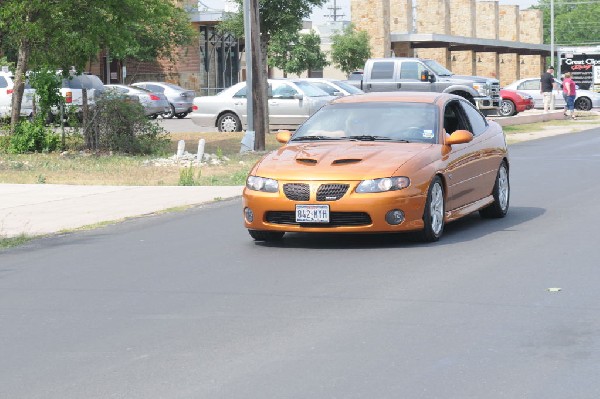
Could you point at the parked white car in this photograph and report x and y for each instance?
(584, 100)
(291, 102)
(7, 87)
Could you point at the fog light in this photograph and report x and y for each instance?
(394, 217)
(249, 215)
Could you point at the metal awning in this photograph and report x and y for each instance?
(462, 43)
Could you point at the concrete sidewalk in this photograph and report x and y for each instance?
(35, 209)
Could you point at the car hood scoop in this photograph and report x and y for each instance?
(338, 160)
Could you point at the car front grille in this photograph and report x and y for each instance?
(336, 219)
(495, 90)
(297, 191)
(331, 192)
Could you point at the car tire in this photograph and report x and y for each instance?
(433, 216)
(261, 235)
(153, 116)
(229, 122)
(583, 104)
(501, 194)
(181, 115)
(170, 114)
(507, 108)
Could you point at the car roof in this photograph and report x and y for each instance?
(395, 96)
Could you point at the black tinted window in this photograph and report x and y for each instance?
(478, 122)
(383, 70)
(3, 82)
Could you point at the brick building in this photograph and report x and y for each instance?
(468, 37)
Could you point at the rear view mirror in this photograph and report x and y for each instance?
(459, 137)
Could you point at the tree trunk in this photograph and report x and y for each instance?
(19, 89)
(87, 133)
(259, 80)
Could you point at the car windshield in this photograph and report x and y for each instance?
(310, 90)
(437, 68)
(389, 121)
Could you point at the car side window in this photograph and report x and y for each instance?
(530, 85)
(241, 93)
(476, 120)
(411, 70)
(155, 88)
(383, 70)
(283, 91)
(3, 82)
(454, 117)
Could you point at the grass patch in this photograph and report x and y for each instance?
(540, 126)
(10, 242)
(122, 170)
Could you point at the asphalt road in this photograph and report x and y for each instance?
(187, 306)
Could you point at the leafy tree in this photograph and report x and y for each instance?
(297, 53)
(350, 49)
(574, 24)
(275, 16)
(59, 34)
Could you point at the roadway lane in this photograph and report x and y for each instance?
(187, 306)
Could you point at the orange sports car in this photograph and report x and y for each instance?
(380, 162)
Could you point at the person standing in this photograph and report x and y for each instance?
(547, 88)
(569, 91)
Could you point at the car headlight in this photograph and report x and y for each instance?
(383, 184)
(258, 183)
(482, 88)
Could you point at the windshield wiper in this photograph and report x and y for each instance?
(368, 138)
(309, 138)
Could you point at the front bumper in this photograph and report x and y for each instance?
(487, 102)
(275, 212)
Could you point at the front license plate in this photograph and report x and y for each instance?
(312, 213)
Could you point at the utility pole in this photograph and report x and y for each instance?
(248, 139)
(552, 36)
(259, 81)
(335, 10)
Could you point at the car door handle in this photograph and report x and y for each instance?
(399, 85)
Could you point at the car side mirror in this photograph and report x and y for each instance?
(459, 137)
(425, 75)
(298, 96)
(283, 136)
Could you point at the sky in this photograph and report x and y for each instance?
(318, 15)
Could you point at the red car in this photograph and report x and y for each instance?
(513, 102)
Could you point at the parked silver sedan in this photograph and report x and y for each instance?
(154, 104)
(180, 99)
(334, 87)
(291, 102)
(584, 100)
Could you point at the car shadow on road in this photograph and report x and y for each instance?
(469, 228)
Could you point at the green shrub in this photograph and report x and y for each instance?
(121, 126)
(187, 178)
(32, 137)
